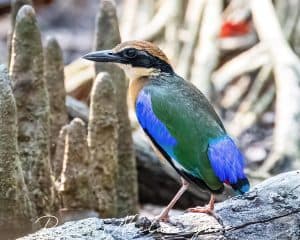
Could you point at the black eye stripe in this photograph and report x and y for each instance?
(145, 62)
(130, 53)
(142, 58)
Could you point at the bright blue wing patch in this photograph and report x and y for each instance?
(152, 125)
(226, 160)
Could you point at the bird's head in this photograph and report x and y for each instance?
(136, 58)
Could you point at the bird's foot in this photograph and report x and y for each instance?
(207, 209)
(164, 217)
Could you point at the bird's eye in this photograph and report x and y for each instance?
(130, 53)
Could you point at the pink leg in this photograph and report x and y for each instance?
(164, 215)
(209, 209)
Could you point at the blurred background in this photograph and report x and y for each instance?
(243, 55)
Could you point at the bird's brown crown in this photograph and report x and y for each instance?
(144, 46)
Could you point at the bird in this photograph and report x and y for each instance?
(179, 121)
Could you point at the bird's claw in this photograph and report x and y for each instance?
(162, 218)
(206, 210)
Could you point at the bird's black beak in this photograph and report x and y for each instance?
(103, 56)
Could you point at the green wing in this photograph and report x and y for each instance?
(192, 121)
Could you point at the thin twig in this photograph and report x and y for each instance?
(157, 24)
(247, 61)
(207, 50)
(287, 72)
(192, 22)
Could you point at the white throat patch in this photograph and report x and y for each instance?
(135, 72)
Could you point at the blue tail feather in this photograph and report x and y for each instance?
(227, 163)
(241, 187)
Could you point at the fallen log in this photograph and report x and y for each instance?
(271, 210)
